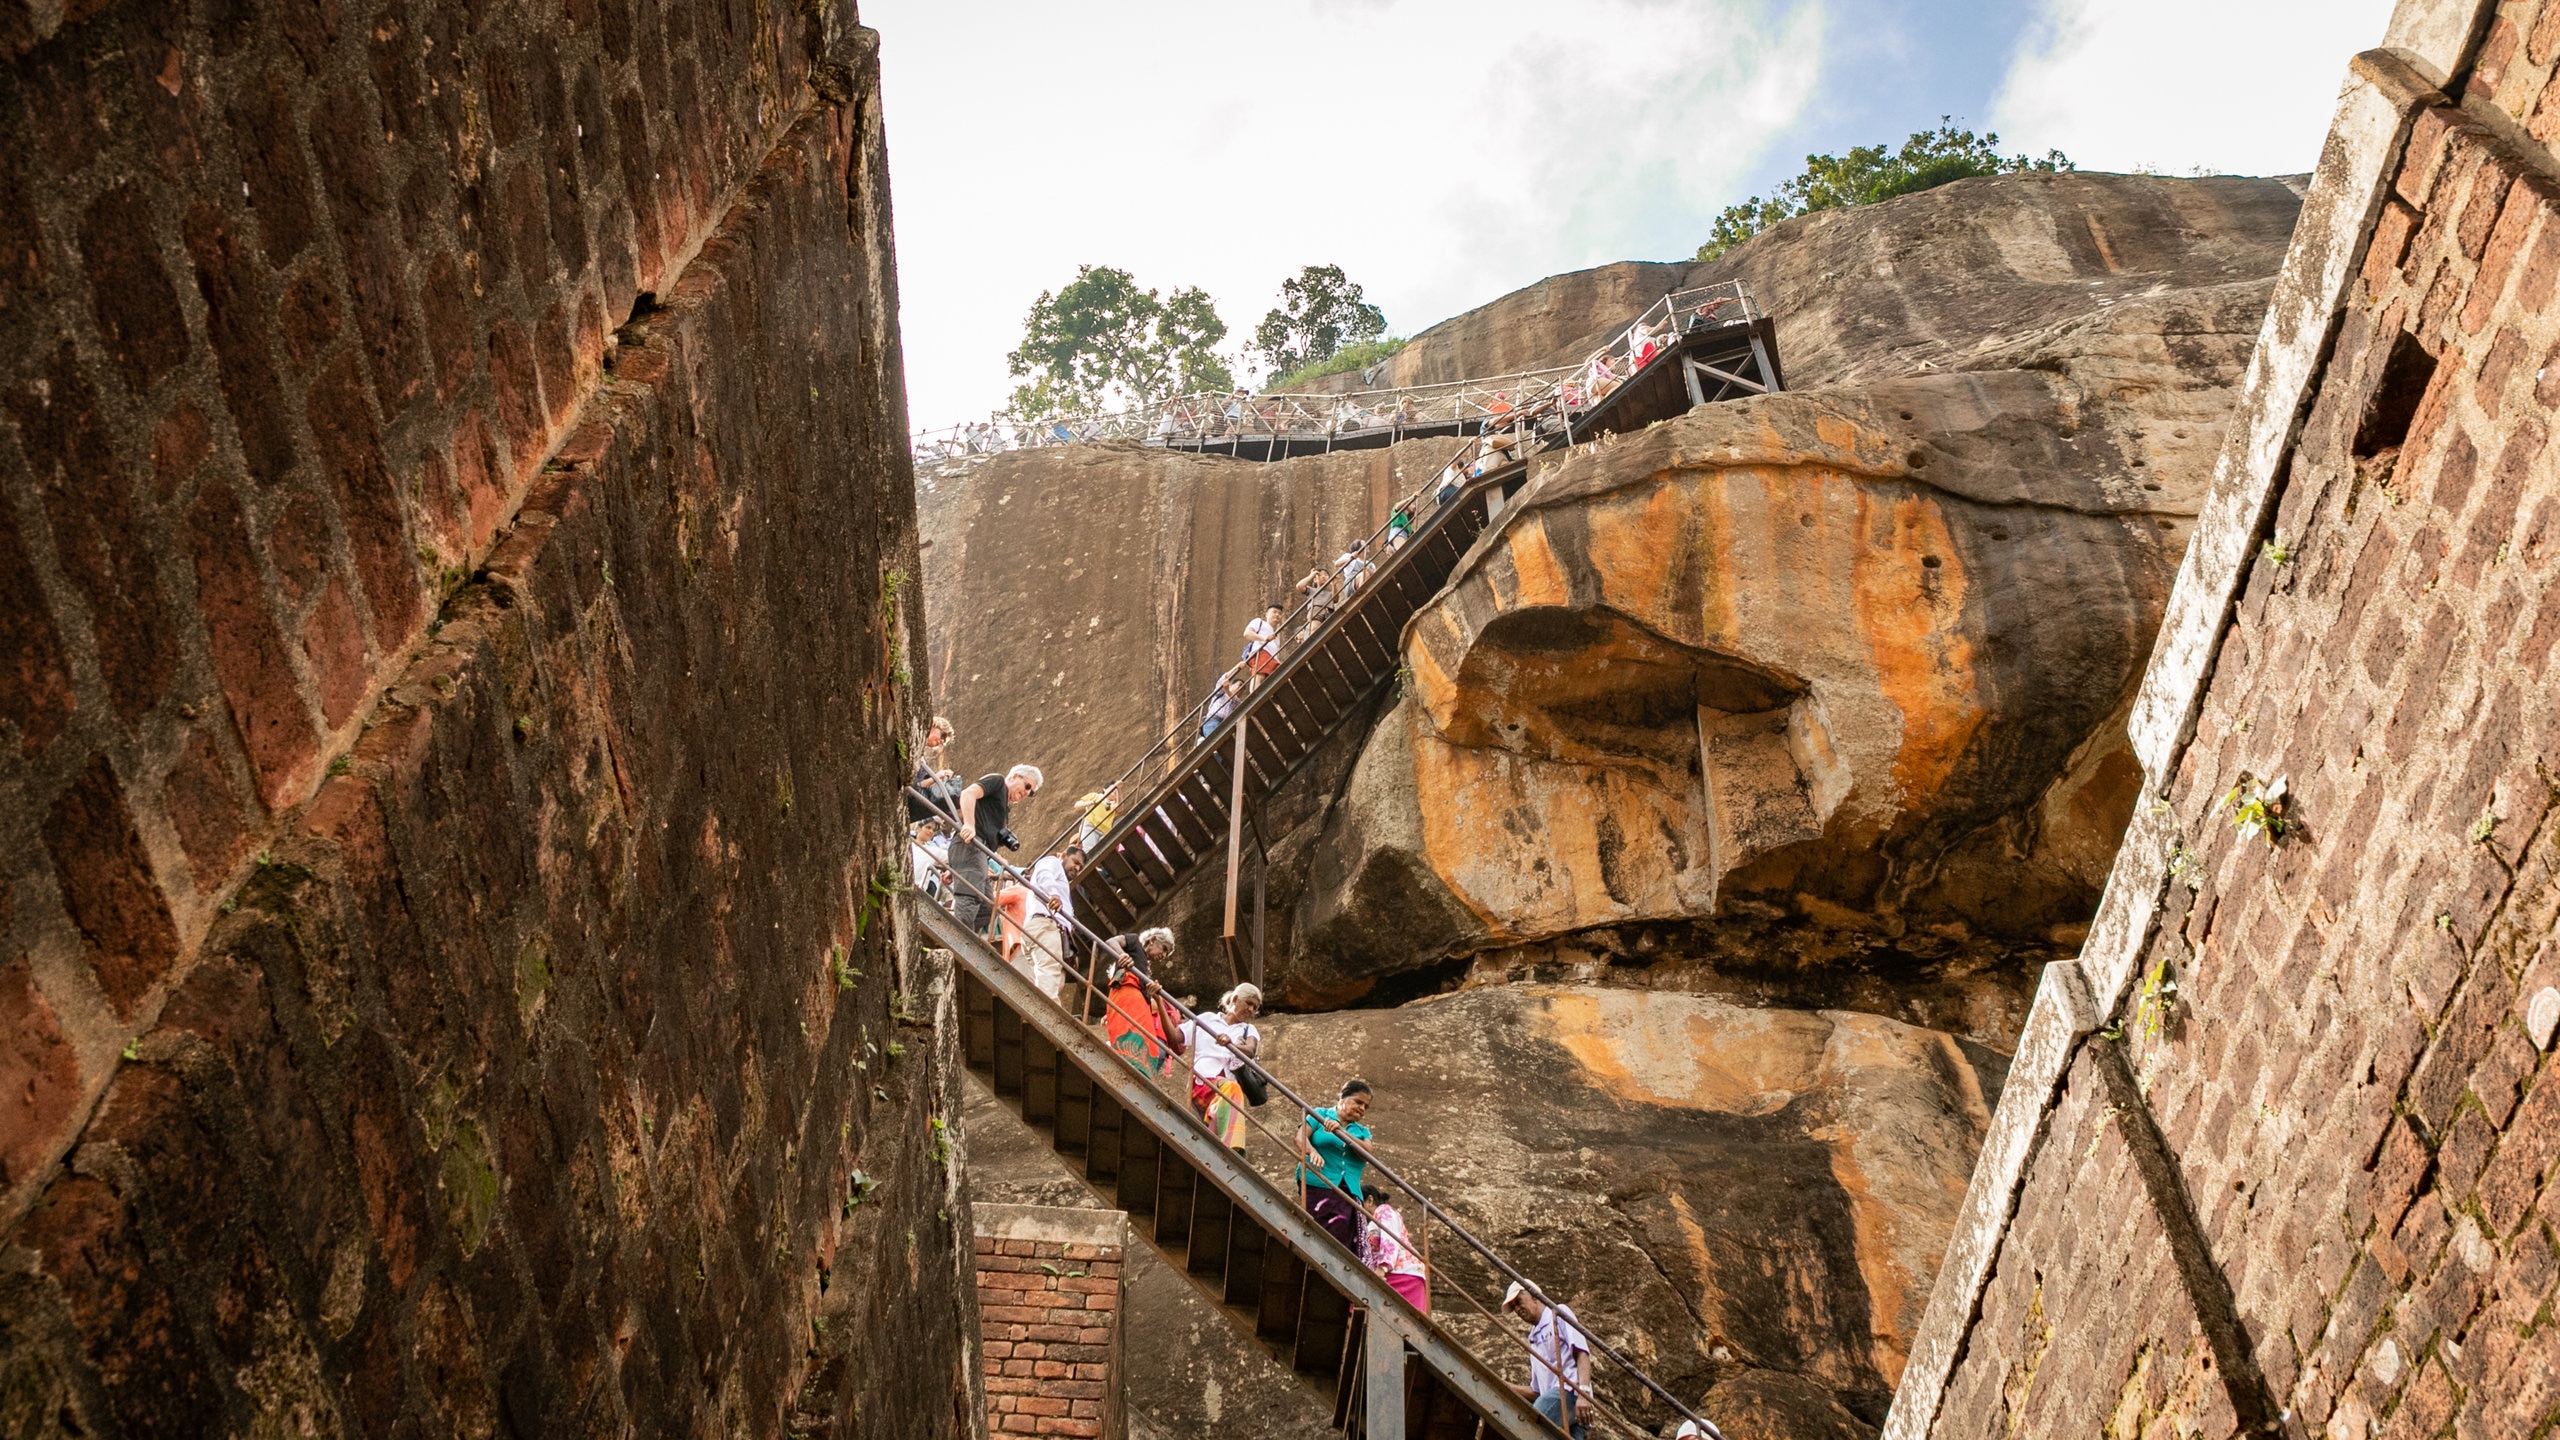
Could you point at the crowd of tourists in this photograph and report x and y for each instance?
(1546, 398)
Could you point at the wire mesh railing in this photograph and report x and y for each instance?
(1195, 420)
(1142, 1006)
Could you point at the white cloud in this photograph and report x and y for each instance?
(2237, 86)
(1441, 151)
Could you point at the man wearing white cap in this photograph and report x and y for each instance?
(1697, 1430)
(1559, 1359)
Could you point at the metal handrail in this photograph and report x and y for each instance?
(1203, 415)
(1431, 1209)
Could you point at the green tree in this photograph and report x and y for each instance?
(1870, 173)
(1320, 311)
(1101, 338)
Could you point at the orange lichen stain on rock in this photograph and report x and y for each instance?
(1701, 1055)
(1538, 847)
(1871, 1221)
(1540, 580)
(1837, 432)
(1907, 599)
(1507, 856)
(1638, 547)
(1431, 682)
(1452, 803)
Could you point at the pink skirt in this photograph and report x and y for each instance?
(1414, 1288)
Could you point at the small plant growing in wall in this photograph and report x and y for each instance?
(2159, 999)
(2185, 868)
(840, 964)
(2259, 810)
(884, 887)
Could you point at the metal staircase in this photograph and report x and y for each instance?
(1184, 792)
(1220, 1221)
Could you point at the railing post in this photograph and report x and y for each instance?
(1235, 839)
(1382, 1377)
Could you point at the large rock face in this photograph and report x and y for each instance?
(1923, 282)
(1856, 651)
(1079, 600)
(1690, 1175)
(1936, 562)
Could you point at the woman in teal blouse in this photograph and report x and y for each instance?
(1332, 1159)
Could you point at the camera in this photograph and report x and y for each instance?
(1007, 840)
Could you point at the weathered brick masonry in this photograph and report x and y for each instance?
(455, 528)
(2300, 1182)
(1049, 1303)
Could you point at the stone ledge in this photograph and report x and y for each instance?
(1052, 1225)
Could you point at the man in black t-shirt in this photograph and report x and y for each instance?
(986, 818)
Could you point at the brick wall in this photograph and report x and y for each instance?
(455, 520)
(2300, 1181)
(1049, 1292)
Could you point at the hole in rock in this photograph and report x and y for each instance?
(643, 305)
(1931, 562)
(2405, 377)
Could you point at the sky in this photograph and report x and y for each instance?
(1445, 152)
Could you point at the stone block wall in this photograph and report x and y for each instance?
(1049, 1307)
(2285, 1168)
(459, 544)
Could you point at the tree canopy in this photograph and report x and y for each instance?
(1320, 311)
(1100, 338)
(1870, 173)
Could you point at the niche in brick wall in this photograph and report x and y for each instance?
(2405, 377)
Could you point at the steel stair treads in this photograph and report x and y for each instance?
(1282, 1292)
(1039, 1079)
(1321, 673)
(1141, 1168)
(1308, 695)
(1121, 873)
(1007, 1069)
(1213, 1213)
(1196, 834)
(1241, 1275)
(1139, 844)
(1323, 1324)
(1102, 1148)
(1174, 1186)
(1269, 756)
(1212, 1216)
(1075, 1110)
(1166, 839)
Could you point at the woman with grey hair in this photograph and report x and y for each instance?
(1219, 1045)
(1137, 1019)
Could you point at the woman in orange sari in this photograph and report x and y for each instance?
(1136, 1020)
(1013, 905)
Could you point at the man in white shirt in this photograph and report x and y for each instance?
(1354, 566)
(1559, 1360)
(1052, 911)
